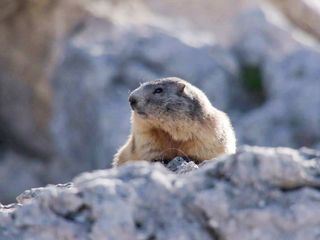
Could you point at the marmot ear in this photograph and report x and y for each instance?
(181, 87)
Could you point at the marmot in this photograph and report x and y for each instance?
(170, 118)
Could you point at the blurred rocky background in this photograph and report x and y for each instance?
(66, 67)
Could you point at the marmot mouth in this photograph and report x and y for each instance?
(141, 113)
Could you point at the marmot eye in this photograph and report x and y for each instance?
(157, 90)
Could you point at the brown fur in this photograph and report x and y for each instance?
(202, 133)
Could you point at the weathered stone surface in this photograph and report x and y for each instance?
(181, 165)
(258, 193)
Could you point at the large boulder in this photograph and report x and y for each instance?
(304, 14)
(258, 193)
(280, 79)
(32, 33)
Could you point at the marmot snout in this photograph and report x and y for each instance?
(171, 117)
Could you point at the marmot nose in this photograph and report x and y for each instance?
(133, 101)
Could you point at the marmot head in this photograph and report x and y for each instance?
(168, 99)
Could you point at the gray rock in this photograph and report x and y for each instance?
(267, 125)
(289, 117)
(295, 80)
(18, 172)
(258, 193)
(260, 38)
(303, 14)
(181, 165)
(31, 38)
(79, 96)
(281, 75)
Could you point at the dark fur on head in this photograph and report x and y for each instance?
(167, 98)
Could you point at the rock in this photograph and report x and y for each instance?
(278, 73)
(260, 38)
(259, 42)
(81, 83)
(295, 69)
(32, 34)
(294, 81)
(210, 19)
(181, 165)
(258, 193)
(33, 193)
(289, 111)
(303, 14)
(210, 67)
(18, 172)
(266, 125)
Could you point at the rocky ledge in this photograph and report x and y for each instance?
(258, 193)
